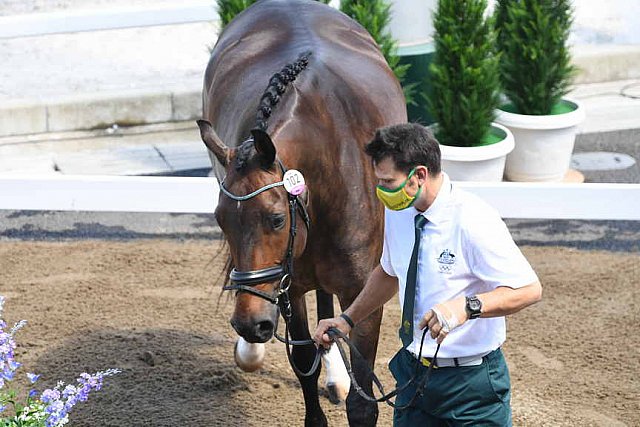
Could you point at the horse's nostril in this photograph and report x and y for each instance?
(265, 328)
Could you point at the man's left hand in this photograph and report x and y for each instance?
(444, 317)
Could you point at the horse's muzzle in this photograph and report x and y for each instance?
(257, 331)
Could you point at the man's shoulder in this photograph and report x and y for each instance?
(474, 212)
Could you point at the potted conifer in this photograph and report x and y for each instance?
(465, 93)
(536, 72)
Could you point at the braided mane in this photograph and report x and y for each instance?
(277, 85)
(270, 98)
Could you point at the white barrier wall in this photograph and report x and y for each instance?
(78, 20)
(200, 195)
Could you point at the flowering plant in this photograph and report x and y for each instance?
(52, 407)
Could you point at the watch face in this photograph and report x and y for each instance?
(474, 306)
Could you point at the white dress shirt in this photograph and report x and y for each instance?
(465, 249)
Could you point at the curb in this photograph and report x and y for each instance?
(604, 63)
(101, 110)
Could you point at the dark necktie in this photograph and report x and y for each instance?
(406, 327)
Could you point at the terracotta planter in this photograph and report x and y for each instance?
(543, 144)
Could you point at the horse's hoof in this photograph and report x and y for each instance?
(337, 394)
(249, 357)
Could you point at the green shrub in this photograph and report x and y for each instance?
(535, 66)
(464, 73)
(228, 9)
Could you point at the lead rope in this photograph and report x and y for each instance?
(335, 334)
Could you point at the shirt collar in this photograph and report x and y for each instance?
(437, 212)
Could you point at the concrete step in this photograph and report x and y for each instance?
(166, 148)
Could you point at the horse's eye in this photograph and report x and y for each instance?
(277, 221)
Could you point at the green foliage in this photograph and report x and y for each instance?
(464, 72)
(374, 16)
(228, 9)
(535, 66)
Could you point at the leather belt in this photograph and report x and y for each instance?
(451, 362)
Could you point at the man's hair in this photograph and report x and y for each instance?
(408, 145)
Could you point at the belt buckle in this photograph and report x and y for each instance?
(425, 362)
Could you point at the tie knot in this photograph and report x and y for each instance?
(420, 221)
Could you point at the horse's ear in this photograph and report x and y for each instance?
(264, 146)
(213, 142)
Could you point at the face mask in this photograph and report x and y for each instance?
(397, 199)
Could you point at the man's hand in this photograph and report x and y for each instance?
(322, 338)
(443, 318)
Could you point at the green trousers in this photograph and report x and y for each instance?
(456, 396)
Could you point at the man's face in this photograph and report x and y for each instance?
(391, 178)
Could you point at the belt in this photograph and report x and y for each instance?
(450, 362)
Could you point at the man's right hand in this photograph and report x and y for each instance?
(322, 338)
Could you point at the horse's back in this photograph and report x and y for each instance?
(346, 63)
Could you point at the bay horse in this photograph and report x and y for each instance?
(296, 84)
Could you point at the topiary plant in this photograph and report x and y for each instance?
(535, 65)
(464, 73)
(228, 9)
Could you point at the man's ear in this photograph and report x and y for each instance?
(213, 142)
(264, 146)
(422, 173)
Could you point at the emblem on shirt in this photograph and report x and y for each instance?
(446, 261)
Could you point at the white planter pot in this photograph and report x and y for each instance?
(543, 144)
(483, 163)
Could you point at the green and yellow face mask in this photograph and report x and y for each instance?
(397, 199)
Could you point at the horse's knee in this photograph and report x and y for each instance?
(248, 356)
(360, 412)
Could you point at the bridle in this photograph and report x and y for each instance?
(245, 281)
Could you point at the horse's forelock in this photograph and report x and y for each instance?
(244, 153)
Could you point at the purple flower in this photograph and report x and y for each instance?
(69, 390)
(32, 377)
(50, 395)
(8, 375)
(33, 393)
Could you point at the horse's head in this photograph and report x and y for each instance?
(258, 218)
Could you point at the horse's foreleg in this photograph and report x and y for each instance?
(337, 380)
(324, 303)
(365, 338)
(303, 357)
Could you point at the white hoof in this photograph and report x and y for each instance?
(337, 381)
(248, 356)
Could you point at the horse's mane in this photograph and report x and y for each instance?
(277, 85)
(269, 99)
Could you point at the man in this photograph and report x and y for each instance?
(458, 272)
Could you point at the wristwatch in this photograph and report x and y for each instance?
(473, 307)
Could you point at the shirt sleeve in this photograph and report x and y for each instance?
(494, 256)
(385, 259)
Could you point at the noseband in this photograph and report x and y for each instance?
(245, 281)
